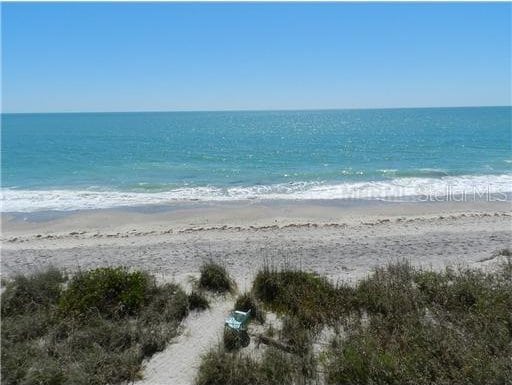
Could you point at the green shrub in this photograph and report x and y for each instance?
(109, 291)
(29, 293)
(390, 291)
(215, 277)
(277, 368)
(232, 339)
(99, 340)
(164, 303)
(197, 300)
(312, 299)
(423, 327)
(246, 302)
(400, 325)
(221, 367)
(416, 353)
(297, 335)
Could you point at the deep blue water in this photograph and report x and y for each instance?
(86, 160)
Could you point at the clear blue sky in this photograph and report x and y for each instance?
(165, 56)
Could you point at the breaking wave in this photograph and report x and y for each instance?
(18, 200)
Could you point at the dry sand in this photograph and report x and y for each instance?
(341, 240)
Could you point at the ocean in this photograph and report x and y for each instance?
(74, 161)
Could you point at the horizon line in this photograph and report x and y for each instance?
(250, 110)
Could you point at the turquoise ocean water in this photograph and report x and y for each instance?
(98, 160)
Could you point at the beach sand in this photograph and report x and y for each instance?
(342, 240)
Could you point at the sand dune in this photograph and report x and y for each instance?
(343, 243)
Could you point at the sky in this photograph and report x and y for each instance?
(73, 57)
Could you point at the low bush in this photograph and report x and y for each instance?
(215, 277)
(25, 294)
(221, 367)
(198, 301)
(109, 291)
(297, 335)
(232, 339)
(400, 325)
(165, 303)
(119, 318)
(389, 291)
(423, 327)
(306, 296)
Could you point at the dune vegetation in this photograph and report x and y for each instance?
(95, 327)
(400, 325)
(214, 277)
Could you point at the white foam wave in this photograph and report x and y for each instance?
(14, 200)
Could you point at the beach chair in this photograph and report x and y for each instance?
(237, 323)
(238, 320)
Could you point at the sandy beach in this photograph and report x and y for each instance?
(339, 239)
(342, 240)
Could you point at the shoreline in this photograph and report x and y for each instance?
(258, 213)
(151, 220)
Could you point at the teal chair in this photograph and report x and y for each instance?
(238, 320)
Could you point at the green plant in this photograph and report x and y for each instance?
(109, 291)
(99, 341)
(221, 367)
(235, 339)
(306, 296)
(427, 327)
(215, 277)
(297, 335)
(29, 293)
(164, 303)
(400, 325)
(197, 300)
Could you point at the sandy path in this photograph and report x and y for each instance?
(178, 363)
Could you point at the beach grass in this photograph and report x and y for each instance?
(423, 327)
(214, 277)
(304, 295)
(219, 366)
(93, 328)
(198, 301)
(399, 325)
